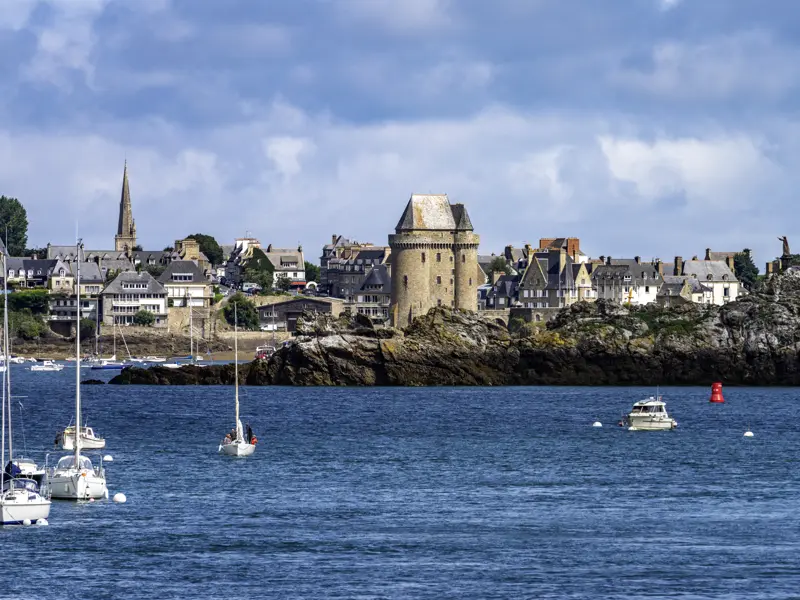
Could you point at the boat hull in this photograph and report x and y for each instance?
(77, 486)
(647, 424)
(237, 449)
(68, 442)
(21, 508)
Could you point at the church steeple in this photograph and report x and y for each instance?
(125, 239)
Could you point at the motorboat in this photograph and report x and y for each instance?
(239, 444)
(155, 359)
(75, 477)
(47, 365)
(264, 352)
(649, 415)
(89, 440)
(30, 470)
(21, 501)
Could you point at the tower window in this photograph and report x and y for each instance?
(405, 280)
(423, 257)
(463, 258)
(438, 257)
(439, 302)
(470, 280)
(438, 279)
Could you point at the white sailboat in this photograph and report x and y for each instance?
(240, 445)
(21, 500)
(74, 477)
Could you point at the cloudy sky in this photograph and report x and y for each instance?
(645, 127)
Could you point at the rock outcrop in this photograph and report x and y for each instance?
(753, 341)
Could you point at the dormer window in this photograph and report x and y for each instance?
(61, 272)
(627, 278)
(708, 276)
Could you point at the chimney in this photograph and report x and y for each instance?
(602, 259)
(659, 267)
(507, 252)
(731, 264)
(708, 253)
(528, 250)
(694, 257)
(333, 239)
(638, 259)
(608, 260)
(677, 268)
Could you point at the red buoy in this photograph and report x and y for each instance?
(716, 393)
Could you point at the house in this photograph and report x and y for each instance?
(554, 279)
(30, 272)
(288, 263)
(627, 281)
(186, 284)
(131, 292)
(61, 280)
(503, 292)
(345, 264)
(677, 290)
(237, 260)
(283, 315)
(109, 261)
(374, 296)
(717, 275)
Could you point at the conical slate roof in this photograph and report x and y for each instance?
(427, 212)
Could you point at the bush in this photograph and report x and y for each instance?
(87, 328)
(24, 324)
(34, 301)
(144, 318)
(246, 313)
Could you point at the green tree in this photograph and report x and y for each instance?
(155, 270)
(745, 269)
(283, 283)
(40, 253)
(259, 261)
(209, 247)
(36, 302)
(144, 318)
(246, 314)
(13, 225)
(261, 278)
(25, 325)
(499, 265)
(137, 248)
(110, 274)
(168, 249)
(312, 272)
(87, 329)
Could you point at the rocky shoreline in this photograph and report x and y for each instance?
(753, 341)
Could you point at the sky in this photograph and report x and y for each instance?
(645, 127)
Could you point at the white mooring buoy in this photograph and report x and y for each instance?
(120, 498)
(108, 458)
(597, 424)
(42, 522)
(748, 434)
(26, 522)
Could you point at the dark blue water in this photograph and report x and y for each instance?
(418, 493)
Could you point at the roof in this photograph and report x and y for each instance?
(427, 211)
(461, 217)
(505, 287)
(719, 255)
(153, 286)
(641, 273)
(90, 272)
(183, 267)
(708, 270)
(378, 276)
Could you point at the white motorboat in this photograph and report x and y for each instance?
(47, 365)
(649, 415)
(155, 359)
(30, 470)
(240, 444)
(74, 477)
(21, 501)
(89, 439)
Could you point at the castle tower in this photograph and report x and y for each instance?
(125, 240)
(434, 259)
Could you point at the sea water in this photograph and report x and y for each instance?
(415, 493)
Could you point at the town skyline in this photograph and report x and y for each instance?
(643, 127)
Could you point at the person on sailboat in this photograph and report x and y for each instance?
(227, 439)
(249, 433)
(11, 471)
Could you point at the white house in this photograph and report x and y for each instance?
(289, 263)
(714, 274)
(627, 281)
(186, 284)
(131, 292)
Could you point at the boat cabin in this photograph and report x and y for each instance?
(21, 484)
(68, 462)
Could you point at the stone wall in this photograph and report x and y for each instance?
(201, 318)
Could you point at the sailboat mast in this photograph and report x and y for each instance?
(236, 361)
(191, 330)
(5, 336)
(6, 362)
(78, 359)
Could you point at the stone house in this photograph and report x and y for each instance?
(63, 300)
(373, 298)
(289, 263)
(283, 315)
(627, 281)
(237, 260)
(677, 290)
(553, 279)
(131, 292)
(717, 275)
(503, 292)
(345, 264)
(186, 284)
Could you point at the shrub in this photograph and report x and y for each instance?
(245, 311)
(144, 317)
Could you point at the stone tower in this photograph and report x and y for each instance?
(125, 240)
(434, 259)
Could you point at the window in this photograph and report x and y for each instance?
(423, 257)
(647, 289)
(438, 279)
(439, 302)
(583, 281)
(726, 292)
(463, 258)
(438, 257)
(470, 280)
(61, 272)
(405, 280)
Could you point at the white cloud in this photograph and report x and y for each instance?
(408, 16)
(745, 64)
(666, 5)
(15, 14)
(285, 153)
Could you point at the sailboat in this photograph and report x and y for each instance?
(238, 446)
(74, 477)
(21, 500)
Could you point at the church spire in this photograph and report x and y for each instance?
(125, 239)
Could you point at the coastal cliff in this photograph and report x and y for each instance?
(753, 341)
